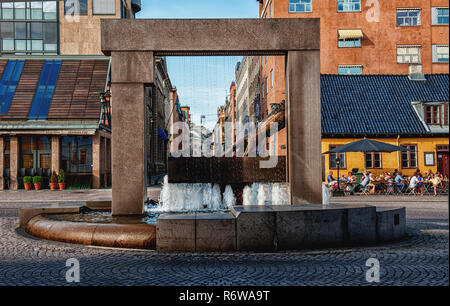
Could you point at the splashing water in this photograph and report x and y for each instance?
(248, 197)
(228, 197)
(207, 197)
(325, 195)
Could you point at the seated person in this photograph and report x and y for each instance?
(364, 181)
(351, 178)
(435, 180)
(420, 182)
(413, 182)
(330, 179)
(400, 181)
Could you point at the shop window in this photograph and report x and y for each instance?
(76, 154)
(35, 152)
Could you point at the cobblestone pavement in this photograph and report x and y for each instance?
(420, 259)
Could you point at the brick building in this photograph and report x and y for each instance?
(365, 38)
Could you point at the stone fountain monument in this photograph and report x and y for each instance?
(132, 45)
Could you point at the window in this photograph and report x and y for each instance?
(49, 10)
(440, 53)
(409, 158)
(76, 154)
(349, 5)
(75, 7)
(104, 7)
(349, 69)
(300, 6)
(262, 90)
(373, 160)
(32, 28)
(271, 78)
(408, 17)
(267, 85)
(408, 54)
(350, 38)
(333, 156)
(35, 152)
(439, 16)
(432, 114)
(270, 9)
(349, 43)
(7, 10)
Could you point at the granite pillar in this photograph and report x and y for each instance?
(130, 72)
(304, 127)
(2, 163)
(14, 163)
(96, 160)
(56, 154)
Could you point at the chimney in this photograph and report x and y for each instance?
(415, 73)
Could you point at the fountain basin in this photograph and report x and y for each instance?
(129, 232)
(261, 228)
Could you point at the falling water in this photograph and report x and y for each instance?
(207, 197)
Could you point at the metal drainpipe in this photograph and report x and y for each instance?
(398, 152)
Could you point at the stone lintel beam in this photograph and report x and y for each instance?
(200, 36)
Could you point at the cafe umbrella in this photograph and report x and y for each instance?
(364, 145)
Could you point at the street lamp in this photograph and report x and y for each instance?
(338, 162)
(338, 192)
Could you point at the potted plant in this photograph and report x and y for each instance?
(53, 181)
(37, 181)
(27, 182)
(62, 179)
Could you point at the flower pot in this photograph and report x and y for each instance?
(28, 186)
(37, 186)
(53, 186)
(62, 186)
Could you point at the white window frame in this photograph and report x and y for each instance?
(436, 51)
(349, 6)
(434, 16)
(407, 49)
(409, 17)
(300, 3)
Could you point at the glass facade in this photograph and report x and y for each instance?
(76, 154)
(35, 154)
(29, 27)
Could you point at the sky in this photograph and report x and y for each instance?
(203, 83)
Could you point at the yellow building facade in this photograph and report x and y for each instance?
(389, 161)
